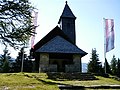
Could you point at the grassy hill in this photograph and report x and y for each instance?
(40, 81)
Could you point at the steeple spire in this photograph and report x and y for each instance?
(67, 12)
(67, 23)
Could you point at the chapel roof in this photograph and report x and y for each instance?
(60, 45)
(55, 32)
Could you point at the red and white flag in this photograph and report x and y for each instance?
(109, 34)
(35, 16)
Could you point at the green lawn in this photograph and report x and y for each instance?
(36, 81)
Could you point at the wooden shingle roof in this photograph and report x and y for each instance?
(60, 45)
(55, 32)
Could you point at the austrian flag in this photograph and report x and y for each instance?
(109, 34)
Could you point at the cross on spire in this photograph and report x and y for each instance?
(66, 2)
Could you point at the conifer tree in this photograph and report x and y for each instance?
(118, 68)
(114, 65)
(15, 22)
(18, 62)
(27, 63)
(4, 62)
(94, 66)
(5, 67)
(108, 69)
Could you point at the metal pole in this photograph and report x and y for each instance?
(22, 59)
(104, 43)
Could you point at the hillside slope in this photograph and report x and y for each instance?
(40, 81)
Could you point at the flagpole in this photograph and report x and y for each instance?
(104, 44)
(108, 37)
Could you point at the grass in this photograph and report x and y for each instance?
(24, 81)
(36, 81)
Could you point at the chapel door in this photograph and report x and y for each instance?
(61, 67)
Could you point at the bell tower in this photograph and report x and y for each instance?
(67, 23)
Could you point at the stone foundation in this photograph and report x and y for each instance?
(45, 66)
(76, 67)
(44, 62)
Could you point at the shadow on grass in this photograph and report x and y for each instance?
(71, 87)
(60, 85)
(42, 80)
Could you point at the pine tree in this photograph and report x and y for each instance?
(4, 62)
(118, 68)
(15, 22)
(5, 67)
(114, 65)
(94, 66)
(18, 62)
(108, 69)
(27, 64)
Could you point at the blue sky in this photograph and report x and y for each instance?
(89, 23)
